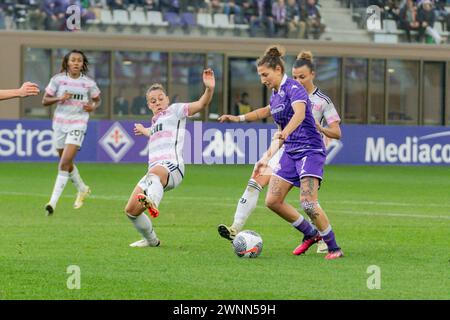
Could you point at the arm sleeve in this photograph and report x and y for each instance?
(52, 87)
(298, 94)
(94, 91)
(181, 110)
(330, 113)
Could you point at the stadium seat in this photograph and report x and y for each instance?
(154, 18)
(188, 19)
(389, 33)
(120, 17)
(205, 20)
(440, 30)
(172, 18)
(138, 18)
(221, 20)
(106, 17)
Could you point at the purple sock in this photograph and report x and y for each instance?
(305, 227)
(330, 240)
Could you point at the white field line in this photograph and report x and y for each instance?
(232, 204)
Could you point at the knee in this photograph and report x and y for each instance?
(310, 207)
(129, 211)
(65, 165)
(272, 203)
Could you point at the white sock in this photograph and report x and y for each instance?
(155, 189)
(76, 179)
(60, 184)
(144, 226)
(246, 205)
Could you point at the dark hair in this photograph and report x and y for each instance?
(272, 58)
(305, 58)
(65, 62)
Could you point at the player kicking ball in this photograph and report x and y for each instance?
(165, 161)
(327, 122)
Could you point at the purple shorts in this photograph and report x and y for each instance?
(309, 164)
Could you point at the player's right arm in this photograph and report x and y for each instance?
(140, 130)
(255, 115)
(27, 89)
(48, 99)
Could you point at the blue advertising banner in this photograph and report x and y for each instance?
(216, 143)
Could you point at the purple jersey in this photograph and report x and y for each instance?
(306, 136)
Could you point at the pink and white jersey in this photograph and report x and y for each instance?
(166, 139)
(70, 115)
(324, 111)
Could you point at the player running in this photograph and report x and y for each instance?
(327, 122)
(76, 96)
(165, 163)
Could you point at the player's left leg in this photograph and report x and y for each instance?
(153, 185)
(65, 165)
(310, 204)
(142, 223)
(246, 205)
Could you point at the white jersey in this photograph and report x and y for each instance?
(323, 111)
(70, 115)
(166, 139)
(323, 108)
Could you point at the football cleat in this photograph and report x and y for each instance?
(149, 204)
(322, 247)
(50, 209)
(228, 233)
(336, 254)
(144, 243)
(80, 197)
(306, 244)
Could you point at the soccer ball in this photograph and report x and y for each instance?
(247, 244)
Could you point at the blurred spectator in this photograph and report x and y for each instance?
(390, 10)
(120, 104)
(215, 6)
(139, 104)
(426, 18)
(234, 12)
(118, 4)
(441, 13)
(314, 26)
(101, 4)
(242, 106)
(170, 5)
(295, 20)
(151, 5)
(2, 19)
(247, 9)
(408, 18)
(279, 18)
(200, 5)
(55, 14)
(262, 18)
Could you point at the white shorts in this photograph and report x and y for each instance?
(175, 175)
(273, 163)
(61, 138)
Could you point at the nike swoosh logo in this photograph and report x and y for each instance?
(254, 249)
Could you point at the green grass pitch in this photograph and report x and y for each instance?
(396, 218)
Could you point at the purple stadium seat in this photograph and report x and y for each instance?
(188, 19)
(172, 18)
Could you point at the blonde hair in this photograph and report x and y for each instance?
(153, 87)
(305, 55)
(305, 58)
